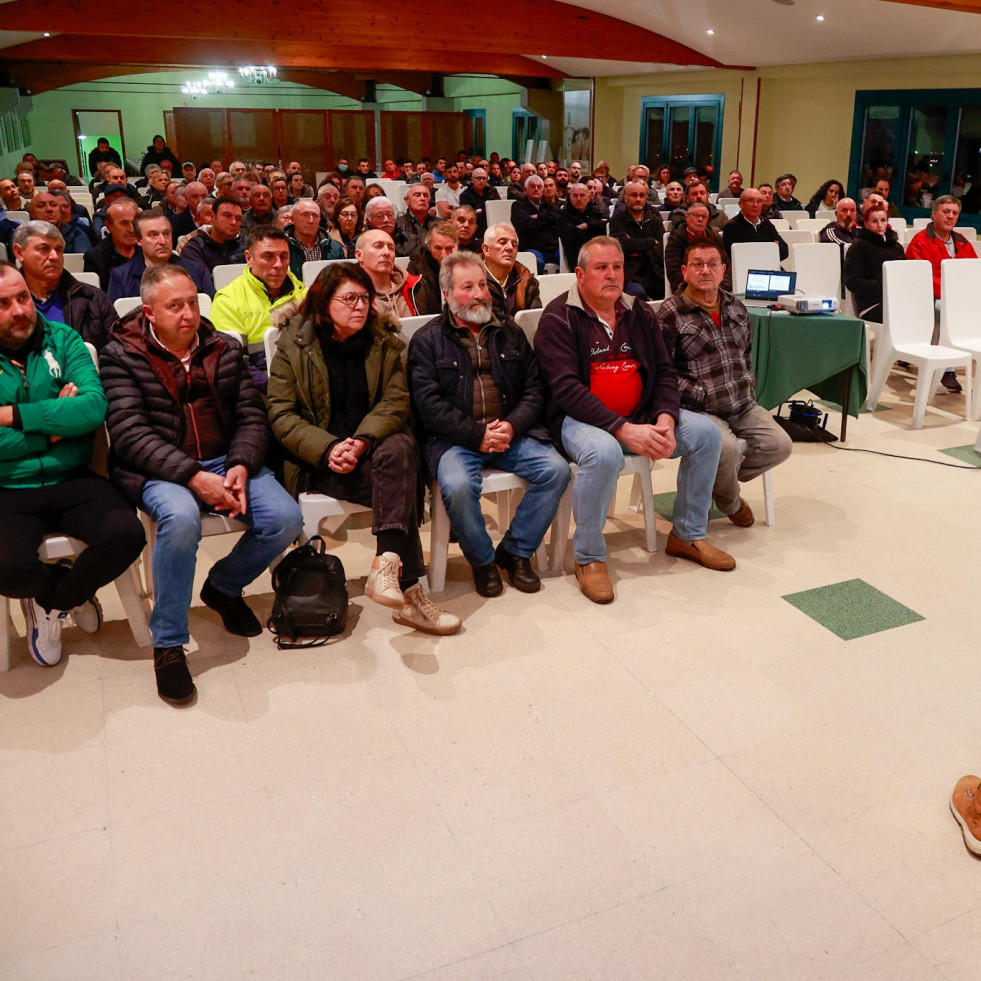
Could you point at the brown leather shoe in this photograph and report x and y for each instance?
(742, 516)
(964, 805)
(701, 552)
(594, 581)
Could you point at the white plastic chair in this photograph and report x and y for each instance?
(409, 325)
(794, 216)
(564, 261)
(224, 274)
(311, 270)
(549, 287)
(528, 260)
(528, 320)
(824, 214)
(126, 303)
(968, 231)
(907, 327)
(752, 255)
(919, 223)
(497, 482)
(813, 224)
(818, 266)
(498, 211)
(731, 209)
(402, 261)
(90, 278)
(21, 216)
(792, 237)
(960, 285)
(75, 262)
(898, 225)
(780, 224)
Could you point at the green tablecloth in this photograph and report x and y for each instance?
(792, 353)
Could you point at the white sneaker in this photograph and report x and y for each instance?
(88, 616)
(423, 614)
(383, 581)
(43, 632)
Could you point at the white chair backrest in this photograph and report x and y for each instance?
(126, 303)
(395, 192)
(968, 231)
(409, 325)
(78, 191)
(792, 237)
(88, 277)
(311, 270)
(93, 354)
(813, 224)
(498, 211)
(898, 225)
(527, 320)
(907, 236)
(528, 260)
(818, 266)
(731, 209)
(402, 261)
(549, 287)
(921, 222)
(18, 216)
(825, 214)
(794, 216)
(319, 177)
(960, 281)
(204, 304)
(75, 261)
(780, 224)
(907, 300)
(223, 275)
(564, 266)
(269, 339)
(751, 255)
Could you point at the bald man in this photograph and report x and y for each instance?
(119, 245)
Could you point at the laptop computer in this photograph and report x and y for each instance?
(765, 286)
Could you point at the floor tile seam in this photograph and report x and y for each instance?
(460, 960)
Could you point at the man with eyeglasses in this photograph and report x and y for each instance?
(708, 334)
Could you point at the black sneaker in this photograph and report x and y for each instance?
(235, 614)
(519, 571)
(487, 580)
(174, 682)
(950, 382)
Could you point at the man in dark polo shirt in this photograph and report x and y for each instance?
(614, 390)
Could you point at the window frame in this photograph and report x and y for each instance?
(711, 100)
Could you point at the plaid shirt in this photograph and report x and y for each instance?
(713, 363)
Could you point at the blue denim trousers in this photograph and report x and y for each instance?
(599, 456)
(272, 521)
(459, 481)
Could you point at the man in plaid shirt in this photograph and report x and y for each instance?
(708, 335)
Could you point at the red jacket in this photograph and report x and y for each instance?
(926, 244)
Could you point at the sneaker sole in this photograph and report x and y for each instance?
(382, 600)
(435, 631)
(99, 618)
(973, 845)
(35, 657)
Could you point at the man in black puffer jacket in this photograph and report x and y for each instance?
(188, 432)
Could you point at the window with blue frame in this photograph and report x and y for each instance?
(682, 131)
(925, 142)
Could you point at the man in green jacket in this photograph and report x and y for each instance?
(51, 406)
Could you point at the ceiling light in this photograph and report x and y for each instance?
(710, 31)
(820, 17)
(217, 83)
(47, 33)
(258, 74)
(545, 57)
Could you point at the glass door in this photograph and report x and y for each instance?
(682, 132)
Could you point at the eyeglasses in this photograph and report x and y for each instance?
(699, 266)
(348, 214)
(353, 300)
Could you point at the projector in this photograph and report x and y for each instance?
(808, 304)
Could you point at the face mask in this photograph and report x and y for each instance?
(342, 168)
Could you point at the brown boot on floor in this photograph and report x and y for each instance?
(742, 516)
(701, 552)
(965, 805)
(594, 581)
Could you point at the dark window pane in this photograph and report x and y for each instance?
(967, 169)
(679, 153)
(925, 155)
(879, 144)
(706, 119)
(654, 151)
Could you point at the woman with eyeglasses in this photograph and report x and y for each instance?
(347, 221)
(339, 405)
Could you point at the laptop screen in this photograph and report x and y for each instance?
(768, 284)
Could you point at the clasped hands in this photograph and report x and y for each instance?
(345, 453)
(222, 493)
(654, 441)
(497, 437)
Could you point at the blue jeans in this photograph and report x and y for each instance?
(459, 480)
(542, 257)
(599, 456)
(272, 521)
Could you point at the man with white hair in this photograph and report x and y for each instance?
(513, 286)
(379, 214)
(844, 229)
(535, 220)
(579, 220)
(486, 412)
(410, 228)
(327, 198)
(308, 243)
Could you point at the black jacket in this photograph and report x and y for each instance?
(155, 156)
(537, 227)
(87, 310)
(572, 236)
(102, 259)
(478, 202)
(146, 417)
(741, 230)
(863, 270)
(643, 249)
(441, 384)
(204, 249)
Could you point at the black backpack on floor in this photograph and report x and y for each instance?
(311, 596)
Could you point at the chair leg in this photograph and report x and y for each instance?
(646, 481)
(129, 596)
(924, 387)
(4, 633)
(439, 541)
(882, 363)
(768, 498)
(968, 383)
(561, 525)
(150, 527)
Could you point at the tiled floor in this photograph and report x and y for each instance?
(697, 781)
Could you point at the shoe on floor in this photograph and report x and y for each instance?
(487, 580)
(743, 515)
(520, 573)
(88, 616)
(174, 682)
(594, 581)
(950, 382)
(43, 632)
(701, 552)
(235, 614)
(383, 581)
(965, 805)
(421, 613)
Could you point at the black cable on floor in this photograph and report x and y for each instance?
(897, 456)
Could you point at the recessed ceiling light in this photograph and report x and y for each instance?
(545, 57)
(820, 16)
(47, 33)
(710, 31)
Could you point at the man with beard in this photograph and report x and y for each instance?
(487, 412)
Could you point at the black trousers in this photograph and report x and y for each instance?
(88, 508)
(387, 481)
